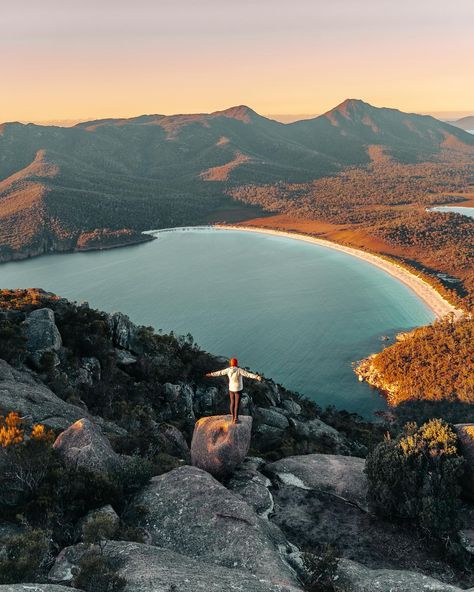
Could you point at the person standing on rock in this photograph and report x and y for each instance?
(235, 384)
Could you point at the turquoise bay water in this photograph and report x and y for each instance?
(297, 312)
(455, 210)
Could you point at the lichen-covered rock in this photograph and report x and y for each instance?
(465, 432)
(106, 512)
(125, 334)
(188, 511)
(266, 437)
(124, 358)
(84, 445)
(252, 486)
(20, 392)
(42, 335)
(316, 430)
(341, 476)
(36, 588)
(171, 441)
(271, 417)
(291, 406)
(151, 569)
(218, 445)
(354, 577)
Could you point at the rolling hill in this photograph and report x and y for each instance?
(156, 171)
(465, 123)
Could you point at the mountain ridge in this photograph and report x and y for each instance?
(168, 170)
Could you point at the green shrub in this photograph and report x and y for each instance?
(417, 477)
(135, 473)
(24, 556)
(99, 529)
(320, 567)
(98, 574)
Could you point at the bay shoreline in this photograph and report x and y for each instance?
(426, 292)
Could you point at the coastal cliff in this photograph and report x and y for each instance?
(430, 364)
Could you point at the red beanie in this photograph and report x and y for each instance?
(233, 362)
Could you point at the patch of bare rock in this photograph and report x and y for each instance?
(147, 568)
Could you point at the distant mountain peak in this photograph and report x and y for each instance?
(350, 106)
(239, 112)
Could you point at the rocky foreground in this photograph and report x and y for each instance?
(293, 485)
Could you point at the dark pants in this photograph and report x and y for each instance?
(235, 404)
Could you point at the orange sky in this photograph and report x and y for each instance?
(67, 60)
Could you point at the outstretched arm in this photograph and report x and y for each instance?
(250, 375)
(218, 373)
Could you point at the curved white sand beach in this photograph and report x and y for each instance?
(433, 299)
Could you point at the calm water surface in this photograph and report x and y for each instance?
(297, 312)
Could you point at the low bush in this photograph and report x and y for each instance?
(417, 477)
(24, 556)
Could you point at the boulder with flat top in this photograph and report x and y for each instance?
(218, 445)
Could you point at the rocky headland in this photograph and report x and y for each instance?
(119, 499)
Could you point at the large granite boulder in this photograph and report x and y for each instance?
(171, 441)
(354, 577)
(35, 403)
(42, 335)
(340, 476)
(272, 417)
(315, 430)
(465, 432)
(36, 588)
(20, 392)
(253, 487)
(83, 445)
(188, 511)
(218, 445)
(151, 569)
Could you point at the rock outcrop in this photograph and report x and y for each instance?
(315, 430)
(20, 392)
(253, 487)
(125, 334)
(151, 569)
(42, 335)
(83, 445)
(218, 445)
(179, 398)
(171, 441)
(465, 432)
(354, 577)
(189, 512)
(36, 588)
(340, 476)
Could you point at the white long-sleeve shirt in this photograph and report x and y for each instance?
(235, 377)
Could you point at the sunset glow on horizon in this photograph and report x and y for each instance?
(119, 58)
